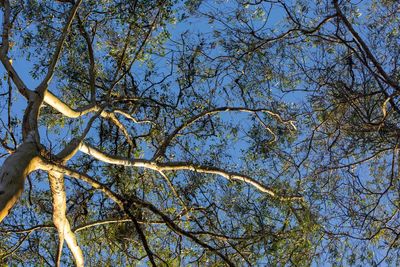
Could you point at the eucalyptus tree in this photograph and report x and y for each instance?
(142, 141)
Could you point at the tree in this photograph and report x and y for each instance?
(343, 58)
(210, 133)
(133, 130)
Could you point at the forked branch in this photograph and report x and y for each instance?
(123, 204)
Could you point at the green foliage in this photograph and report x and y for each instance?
(317, 86)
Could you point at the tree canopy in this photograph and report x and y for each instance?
(199, 133)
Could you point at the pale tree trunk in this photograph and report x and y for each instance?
(13, 174)
(60, 219)
(27, 156)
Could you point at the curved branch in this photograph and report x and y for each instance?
(4, 51)
(177, 166)
(92, 72)
(124, 205)
(131, 118)
(65, 109)
(111, 116)
(16, 247)
(22, 231)
(13, 173)
(73, 146)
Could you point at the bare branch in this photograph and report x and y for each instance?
(73, 146)
(16, 247)
(117, 199)
(60, 220)
(63, 108)
(92, 72)
(111, 116)
(66, 110)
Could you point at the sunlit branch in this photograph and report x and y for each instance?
(62, 170)
(112, 221)
(57, 187)
(122, 220)
(60, 219)
(65, 109)
(177, 166)
(124, 205)
(171, 186)
(111, 116)
(130, 117)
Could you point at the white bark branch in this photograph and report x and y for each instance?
(5, 45)
(65, 109)
(123, 205)
(112, 221)
(60, 219)
(13, 173)
(177, 166)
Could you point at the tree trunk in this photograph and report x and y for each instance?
(61, 221)
(13, 174)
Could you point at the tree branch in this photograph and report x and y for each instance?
(4, 51)
(170, 137)
(177, 166)
(92, 72)
(124, 205)
(66, 110)
(365, 47)
(60, 220)
(44, 84)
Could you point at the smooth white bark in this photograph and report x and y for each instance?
(13, 173)
(63, 108)
(60, 219)
(177, 166)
